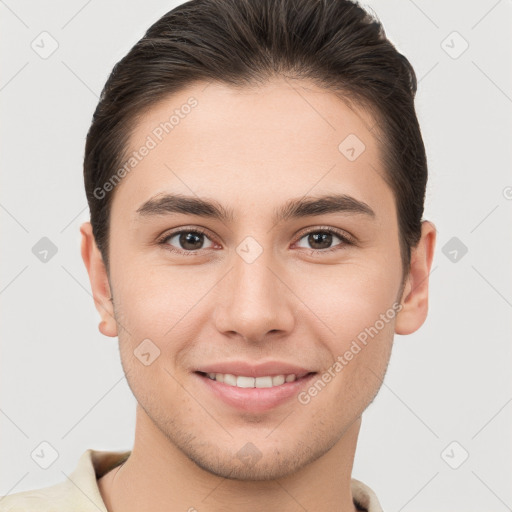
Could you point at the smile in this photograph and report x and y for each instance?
(253, 394)
(242, 381)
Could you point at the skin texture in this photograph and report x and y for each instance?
(251, 150)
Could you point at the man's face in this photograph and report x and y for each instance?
(250, 289)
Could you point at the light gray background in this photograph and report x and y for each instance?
(61, 380)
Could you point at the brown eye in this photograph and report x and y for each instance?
(187, 240)
(322, 240)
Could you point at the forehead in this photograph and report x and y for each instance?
(283, 138)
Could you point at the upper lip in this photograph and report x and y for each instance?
(247, 369)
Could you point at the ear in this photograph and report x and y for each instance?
(99, 281)
(414, 299)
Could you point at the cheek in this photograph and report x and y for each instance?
(156, 311)
(357, 309)
(161, 300)
(346, 299)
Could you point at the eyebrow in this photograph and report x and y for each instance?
(164, 204)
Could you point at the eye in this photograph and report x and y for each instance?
(320, 240)
(191, 241)
(187, 240)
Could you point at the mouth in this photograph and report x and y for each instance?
(253, 394)
(243, 381)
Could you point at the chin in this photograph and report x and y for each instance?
(264, 462)
(264, 469)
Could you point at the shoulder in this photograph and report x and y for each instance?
(48, 499)
(79, 491)
(364, 497)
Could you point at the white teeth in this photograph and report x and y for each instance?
(263, 382)
(278, 380)
(245, 382)
(242, 381)
(229, 379)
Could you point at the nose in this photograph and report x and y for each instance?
(254, 300)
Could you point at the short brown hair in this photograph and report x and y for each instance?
(334, 43)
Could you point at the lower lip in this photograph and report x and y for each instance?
(255, 399)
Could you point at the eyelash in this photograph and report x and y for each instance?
(344, 237)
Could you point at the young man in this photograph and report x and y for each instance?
(256, 177)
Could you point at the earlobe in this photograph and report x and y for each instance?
(99, 281)
(106, 328)
(414, 299)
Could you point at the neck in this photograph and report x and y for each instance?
(158, 476)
